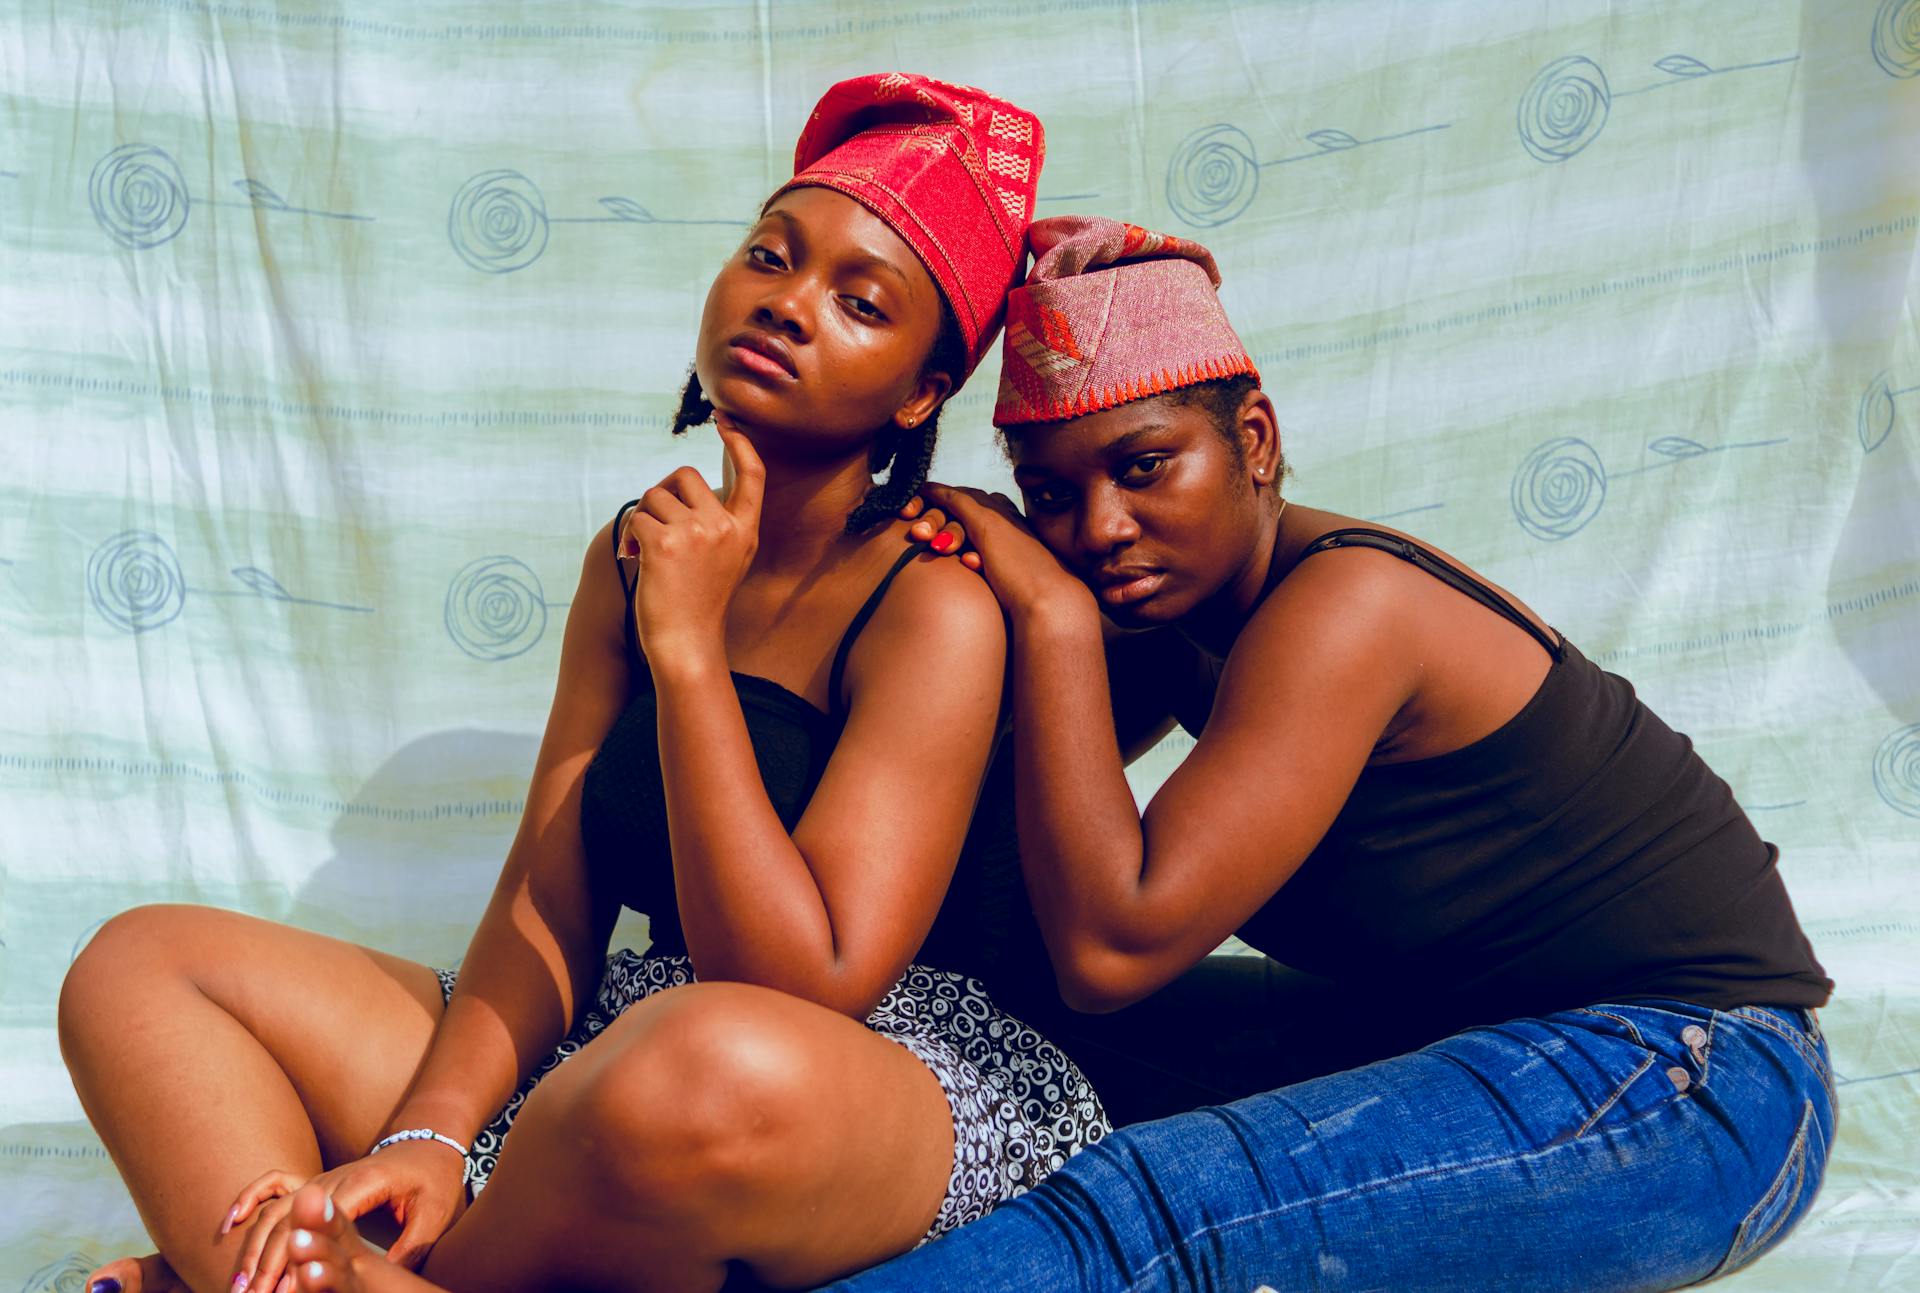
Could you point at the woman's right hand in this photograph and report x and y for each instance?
(422, 1182)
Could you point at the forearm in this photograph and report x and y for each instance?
(531, 967)
(1081, 844)
(751, 908)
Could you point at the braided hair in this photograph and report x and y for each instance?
(904, 453)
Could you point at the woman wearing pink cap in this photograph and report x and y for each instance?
(1568, 955)
(721, 755)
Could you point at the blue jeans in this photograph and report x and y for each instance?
(1644, 1145)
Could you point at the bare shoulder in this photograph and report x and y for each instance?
(1389, 570)
(940, 592)
(599, 605)
(942, 617)
(1343, 635)
(1355, 594)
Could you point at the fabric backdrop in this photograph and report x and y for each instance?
(329, 333)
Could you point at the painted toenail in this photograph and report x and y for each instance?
(108, 1285)
(316, 1272)
(302, 1238)
(328, 1214)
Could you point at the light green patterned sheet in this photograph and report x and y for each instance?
(329, 333)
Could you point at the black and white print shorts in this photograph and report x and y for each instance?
(1021, 1108)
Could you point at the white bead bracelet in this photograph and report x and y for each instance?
(427, 1133)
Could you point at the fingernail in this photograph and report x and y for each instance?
(942, 542)
(301, 1238)
(316, 1272)
(328, 1213)
(240, 1282)
(285, 1285)
(108, 1285)
(232, 1216)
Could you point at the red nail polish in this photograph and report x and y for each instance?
(942, 542)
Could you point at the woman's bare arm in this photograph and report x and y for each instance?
(834, 912)
(538, 952)
(1126, 904)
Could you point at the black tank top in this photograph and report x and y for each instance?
(1583, 852)
(984, 928)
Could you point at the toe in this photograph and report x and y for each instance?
(323, 1242)
(149, 1274)
(318, 1275)
(121, 1276)
(313, 1211)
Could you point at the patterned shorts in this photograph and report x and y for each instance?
(1020, 1107)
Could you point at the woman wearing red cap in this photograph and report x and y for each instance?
(733, 676)
(1564, 948)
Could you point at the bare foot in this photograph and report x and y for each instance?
(327, 1254)
(149, 1274)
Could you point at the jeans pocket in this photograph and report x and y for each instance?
(1767, 1221)
(1807, 1047)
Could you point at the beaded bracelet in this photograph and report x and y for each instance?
(427, 1133)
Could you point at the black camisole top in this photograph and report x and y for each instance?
(1581, 853)
(984, 928)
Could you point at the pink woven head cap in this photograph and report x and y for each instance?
(1111, 313)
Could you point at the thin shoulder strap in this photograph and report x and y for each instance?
(860, 618)
(627, 585)
(1446, 572)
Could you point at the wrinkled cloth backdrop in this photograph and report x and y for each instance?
(327, 338)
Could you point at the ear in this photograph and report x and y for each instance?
(932, 388)
(1259, 432)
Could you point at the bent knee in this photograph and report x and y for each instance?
(132, 952)
(697, 1092)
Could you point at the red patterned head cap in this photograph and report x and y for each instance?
(1111, 313)
(951, 168)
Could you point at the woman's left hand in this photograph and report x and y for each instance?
(693, 551)
(1016, 565)
(932, 527)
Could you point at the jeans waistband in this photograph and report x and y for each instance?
(1801, 1017)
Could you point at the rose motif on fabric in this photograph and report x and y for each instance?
(495, 609)
(1558, 488)
(1565, 108)
(135, 580)
(498, 222)
(1213, 177)
(1896, 38)
(138, 196)
(1896, 771)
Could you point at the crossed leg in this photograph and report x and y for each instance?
(710, 1124)
(208, 1047)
